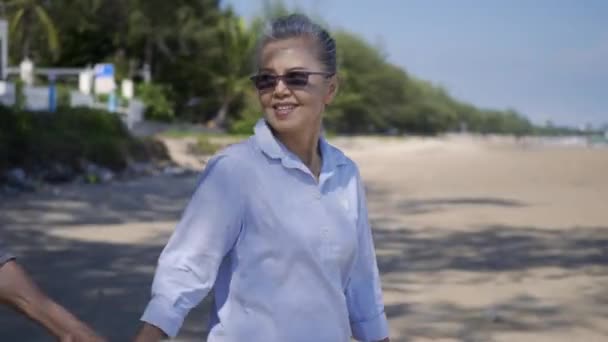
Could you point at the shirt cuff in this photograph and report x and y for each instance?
(161, 313)
(4, 258)
(375, 329)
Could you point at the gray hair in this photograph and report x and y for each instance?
(299, 25)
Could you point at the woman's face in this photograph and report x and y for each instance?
(294, 108)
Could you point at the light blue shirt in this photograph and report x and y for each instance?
(289, 258)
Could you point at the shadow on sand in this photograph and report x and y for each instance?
(107, 284)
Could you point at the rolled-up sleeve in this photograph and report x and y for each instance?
(5, 256)
(364, 291)
(188, 266)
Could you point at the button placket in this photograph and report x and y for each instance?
(323, 228)
(325, 245)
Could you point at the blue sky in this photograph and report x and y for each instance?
(547, 59)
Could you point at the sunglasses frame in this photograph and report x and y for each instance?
(283, 78)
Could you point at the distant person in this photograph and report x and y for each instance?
(20, 292)
(278, 223)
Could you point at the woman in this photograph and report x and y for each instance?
(278, 224)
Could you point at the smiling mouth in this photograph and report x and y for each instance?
(284, 109)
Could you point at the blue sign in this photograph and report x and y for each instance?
(52, 94)
(104, 78)
(104, 70)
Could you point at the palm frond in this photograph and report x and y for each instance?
(51, 31)
(15, 20)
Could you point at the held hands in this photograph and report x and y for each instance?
(81, 334)
(81, 338)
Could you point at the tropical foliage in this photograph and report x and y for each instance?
(199, 54)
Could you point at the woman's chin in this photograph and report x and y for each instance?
(284, 123)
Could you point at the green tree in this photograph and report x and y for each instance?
(151, 25)
(233, 63)
(363, 86)
(26, 18)
(199, 55)
(88, 30)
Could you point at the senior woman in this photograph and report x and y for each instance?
(278, 224)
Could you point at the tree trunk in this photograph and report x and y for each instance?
(25, 49)
(132, 68)
(222, 113)
(148, 59)
(27, 37)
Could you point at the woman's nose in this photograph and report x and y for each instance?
(281, 87)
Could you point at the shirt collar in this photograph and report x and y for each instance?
(273, 148)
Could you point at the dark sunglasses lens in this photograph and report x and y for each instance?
(296, 79)
(264, 81)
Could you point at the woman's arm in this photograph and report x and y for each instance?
(189, 263)
(364, 291)
(20, 292)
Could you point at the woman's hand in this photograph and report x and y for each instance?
(149, 333)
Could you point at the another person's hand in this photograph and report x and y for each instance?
(20, 292)
(89, 338)
(81, 334)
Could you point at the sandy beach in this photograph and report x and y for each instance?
(477, 240)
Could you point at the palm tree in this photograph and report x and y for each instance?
(24, 14)
(236, 42)
(165, 29)
(149, 22)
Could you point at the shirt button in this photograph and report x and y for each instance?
(318, 195)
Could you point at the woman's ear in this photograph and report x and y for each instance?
(332, 90)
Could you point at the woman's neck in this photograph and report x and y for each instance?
(306, 147)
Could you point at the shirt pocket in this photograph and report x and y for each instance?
(345, 205)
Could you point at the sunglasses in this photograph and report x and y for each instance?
(291, 79)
